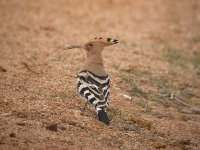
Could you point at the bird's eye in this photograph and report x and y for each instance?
(91, 45)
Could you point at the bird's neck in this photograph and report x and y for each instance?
(94, 63)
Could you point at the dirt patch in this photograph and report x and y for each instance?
(155, 65)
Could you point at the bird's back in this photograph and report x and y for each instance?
(95, 89)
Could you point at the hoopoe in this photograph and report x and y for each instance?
(93, 83)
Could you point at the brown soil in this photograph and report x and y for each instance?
(156, 64)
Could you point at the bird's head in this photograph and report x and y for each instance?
(97, 44)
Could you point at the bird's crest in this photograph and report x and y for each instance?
(96, 42)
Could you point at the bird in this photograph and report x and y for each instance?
(93, 83)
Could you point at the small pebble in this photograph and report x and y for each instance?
(55, 127)
(52, 127)
(12, 135)
(132, 128)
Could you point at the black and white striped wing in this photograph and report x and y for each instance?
(93, 88)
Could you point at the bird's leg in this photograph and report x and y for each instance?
(84, 107)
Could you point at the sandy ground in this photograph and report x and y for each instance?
(155, 72)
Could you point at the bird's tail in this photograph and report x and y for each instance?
(102, 115)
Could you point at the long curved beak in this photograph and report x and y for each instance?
(74, 46)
